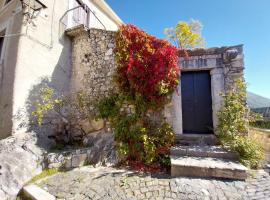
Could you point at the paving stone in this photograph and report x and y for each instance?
(105, 183)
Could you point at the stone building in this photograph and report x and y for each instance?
(205, 75)
(34, 47)
(35, 51)
(69, 44)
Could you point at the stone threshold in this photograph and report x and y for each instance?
(34, 192)
(203, 151)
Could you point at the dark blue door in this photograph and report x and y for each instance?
(196, 102)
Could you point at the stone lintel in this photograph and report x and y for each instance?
(214, 50)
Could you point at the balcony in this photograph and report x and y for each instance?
(80, 15)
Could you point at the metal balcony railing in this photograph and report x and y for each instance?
(80, 15)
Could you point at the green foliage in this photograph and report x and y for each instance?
(186, 35)
(64, 114)
(138, 138)
(233, 117)
(250, 150)
(43, 174)
(46, 103)
(109, 107)
(233, 126)
(146, 76)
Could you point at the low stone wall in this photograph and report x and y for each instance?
(100, 151)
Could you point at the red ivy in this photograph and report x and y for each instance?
(146, 65)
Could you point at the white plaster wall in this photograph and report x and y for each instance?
(94, 23)
(44, 51)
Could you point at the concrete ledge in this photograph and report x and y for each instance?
(207, 167)
(36, 193)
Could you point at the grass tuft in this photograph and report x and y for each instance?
(43, 174)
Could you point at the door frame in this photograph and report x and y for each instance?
(217, 88)
(210, 88)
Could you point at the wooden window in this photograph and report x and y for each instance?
(2, 38)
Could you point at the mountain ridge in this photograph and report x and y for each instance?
(257, 101)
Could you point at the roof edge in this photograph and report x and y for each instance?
(109, 11)
(214, 50)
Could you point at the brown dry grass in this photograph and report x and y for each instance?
(263, 137)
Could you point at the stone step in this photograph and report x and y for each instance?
(34, 192)
(203, 151)
(207, 167)
(196, 139)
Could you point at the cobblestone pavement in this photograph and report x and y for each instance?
(107, 183)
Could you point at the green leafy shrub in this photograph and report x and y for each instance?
(233, 125)
(137, 137)
(250, 151)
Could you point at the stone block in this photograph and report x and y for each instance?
(34, 192)
(86, 126)
(97, 124)
(207, 167)
(78, 160)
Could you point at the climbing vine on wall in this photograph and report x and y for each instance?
(146, 66)
(146, 75)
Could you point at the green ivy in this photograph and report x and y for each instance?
(233, 126)
(137, 136)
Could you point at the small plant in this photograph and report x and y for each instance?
(64, 114)
(250, 150)
(233, 126)
(46, 103)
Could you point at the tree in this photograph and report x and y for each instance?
(186, 35)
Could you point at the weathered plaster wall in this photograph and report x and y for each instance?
(37, 53)
(44, 52)
(10, 22)
(33, 50)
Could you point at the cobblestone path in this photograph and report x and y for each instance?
(110, 184)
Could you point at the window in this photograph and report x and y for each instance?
(2, 34)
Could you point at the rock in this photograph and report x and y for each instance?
(109, 52)
(97, 124)
(86, 126)
(78, 160)
(100, 150)
(20, 159)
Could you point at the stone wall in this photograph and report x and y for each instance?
(93, 61)
(93, 66)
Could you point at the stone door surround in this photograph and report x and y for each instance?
(224, 64)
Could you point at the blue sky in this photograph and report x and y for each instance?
(226, 22)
